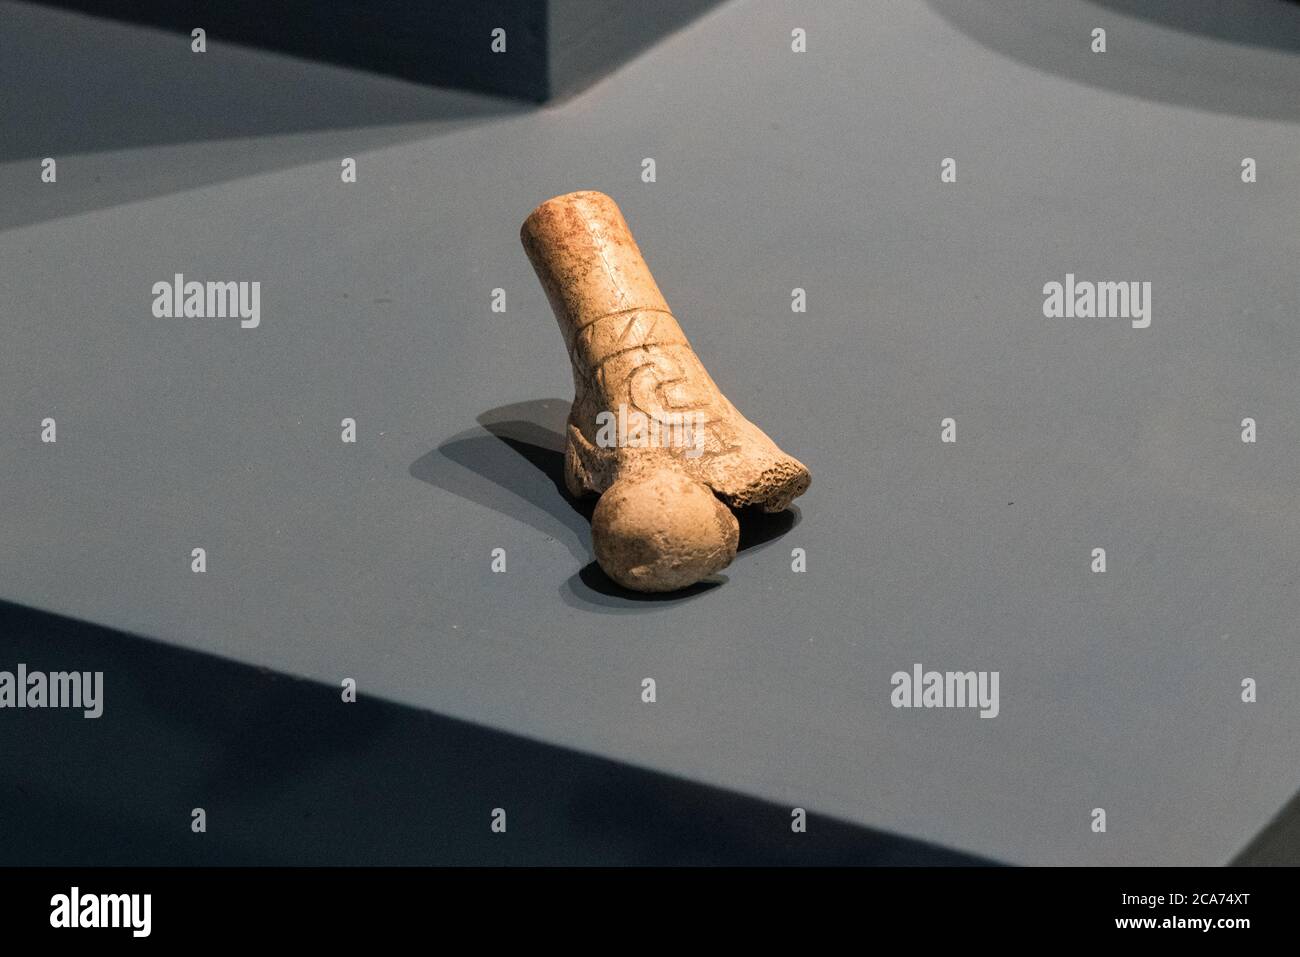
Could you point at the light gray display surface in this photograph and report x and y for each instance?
(775, 170)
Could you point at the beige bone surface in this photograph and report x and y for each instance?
(629, 353)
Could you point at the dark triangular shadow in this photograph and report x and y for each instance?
(1252, 69)
(289, 774)
(1278, 845)
(132, 113)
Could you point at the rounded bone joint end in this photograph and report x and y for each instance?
(662, 531)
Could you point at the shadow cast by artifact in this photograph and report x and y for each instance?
(517, 441)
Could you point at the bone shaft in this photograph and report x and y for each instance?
(598, 284)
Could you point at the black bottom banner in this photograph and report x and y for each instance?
(308, 905)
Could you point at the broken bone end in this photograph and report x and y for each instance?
(774, 490)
